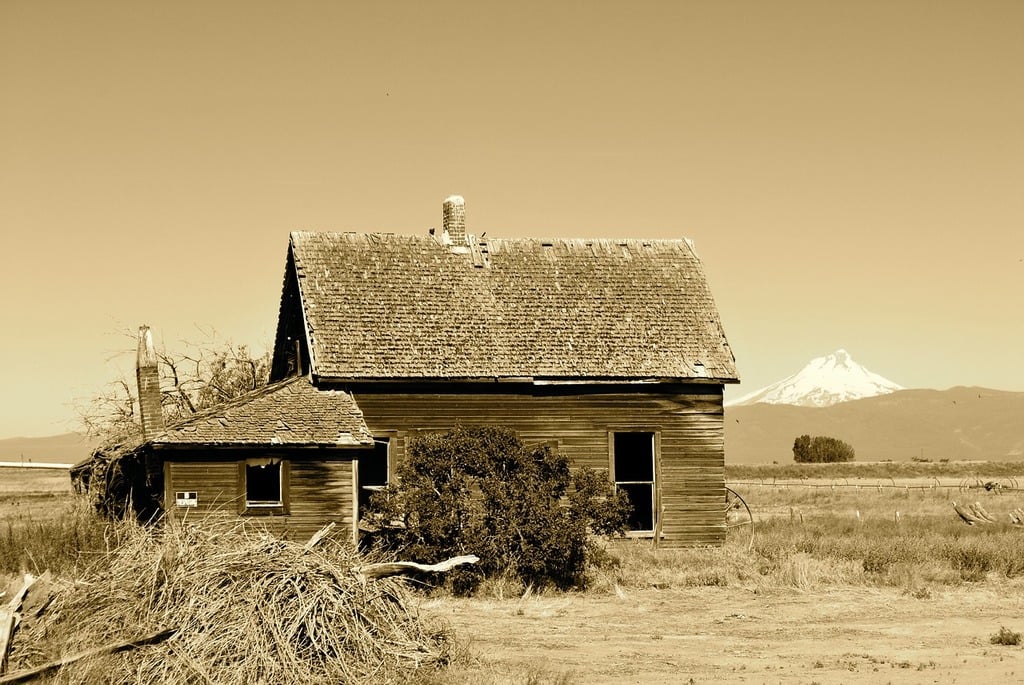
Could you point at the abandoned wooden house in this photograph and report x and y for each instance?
(612, 349)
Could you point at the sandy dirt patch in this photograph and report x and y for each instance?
(732, 635)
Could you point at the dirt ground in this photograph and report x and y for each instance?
(733, 635)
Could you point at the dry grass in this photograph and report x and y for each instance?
(877, 469)
(255, 609)
(249, 609)
(815, 537)
(33, 493)
(64, 538)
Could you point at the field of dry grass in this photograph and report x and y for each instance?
(836, 587)
(32, 493)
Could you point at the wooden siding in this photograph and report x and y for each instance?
(688, 420)
(215, 482)
(319, 492)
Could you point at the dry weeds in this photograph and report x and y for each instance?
(249, 608)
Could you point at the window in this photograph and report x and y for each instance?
(265, 485)
(634, 472)
(373, 471)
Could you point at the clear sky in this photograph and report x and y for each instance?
(852, 172)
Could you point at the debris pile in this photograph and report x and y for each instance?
(231, 604)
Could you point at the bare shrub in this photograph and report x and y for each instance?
(1005, 636)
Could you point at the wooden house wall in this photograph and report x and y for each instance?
(319, 492)
(214, 482)
(687, 418)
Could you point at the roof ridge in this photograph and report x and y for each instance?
(496, 238)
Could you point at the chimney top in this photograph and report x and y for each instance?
(146, 355)
(453, 218)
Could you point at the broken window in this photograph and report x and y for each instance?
(264, 483)
(634, 474)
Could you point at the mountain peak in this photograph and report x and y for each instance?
(824, 381)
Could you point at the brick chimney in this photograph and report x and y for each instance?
(453, 221)
(147, 373)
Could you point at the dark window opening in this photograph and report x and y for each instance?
(373, 471)
(633, 466)
(263, 483)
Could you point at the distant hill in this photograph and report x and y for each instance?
(66, 448)
(959, 423)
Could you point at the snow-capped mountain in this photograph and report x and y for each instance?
(823, 382)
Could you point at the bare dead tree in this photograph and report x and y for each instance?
(196, 377)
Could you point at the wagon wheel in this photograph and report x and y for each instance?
(739, 522)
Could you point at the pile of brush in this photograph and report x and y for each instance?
(239, 606)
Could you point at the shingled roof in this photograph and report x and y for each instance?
(383, 306)
(291, 412)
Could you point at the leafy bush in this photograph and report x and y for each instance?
(481, 491)
(821, 449)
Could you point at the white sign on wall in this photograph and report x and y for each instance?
(186, 499)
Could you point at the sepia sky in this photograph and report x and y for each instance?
(852, 172)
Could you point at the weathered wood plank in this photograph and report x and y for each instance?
(690, 429)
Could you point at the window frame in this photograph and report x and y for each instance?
(656, 508)
(282, 507)
(389, 441)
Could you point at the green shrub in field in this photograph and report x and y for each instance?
(821, 449)
(481, 491)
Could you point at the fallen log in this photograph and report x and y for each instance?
(31, 673)
(401, 568)
(968, 518)
(980, 512)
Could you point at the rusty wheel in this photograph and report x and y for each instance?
(739, 522)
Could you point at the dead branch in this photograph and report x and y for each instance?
(318, 536)
(31, 673)
(401, 568)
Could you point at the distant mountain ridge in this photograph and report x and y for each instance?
(66, 448)
(823, 382)
(959, 423)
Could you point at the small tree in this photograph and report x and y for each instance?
(481, 491)
(821, 449)
(201, 377)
